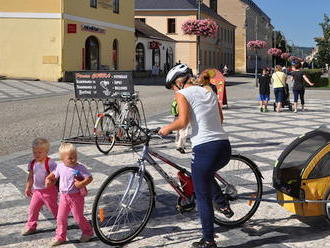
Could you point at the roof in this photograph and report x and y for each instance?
(143, 30)
(176, 5)
(164, 5)
(256, 7)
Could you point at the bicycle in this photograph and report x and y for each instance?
(124, 202)
(111, 125)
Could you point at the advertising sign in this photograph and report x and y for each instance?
(102, 84)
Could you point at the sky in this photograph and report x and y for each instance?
(297, 19)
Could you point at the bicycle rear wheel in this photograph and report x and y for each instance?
(105, 133)
(244, 182)
(123, 206)
(133, 114)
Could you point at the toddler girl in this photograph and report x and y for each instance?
(72, 193)
(39, 168)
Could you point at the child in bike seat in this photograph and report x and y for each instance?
(74, 177)
(39, 168)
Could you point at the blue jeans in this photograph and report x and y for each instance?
(279, 94)
(207, 159)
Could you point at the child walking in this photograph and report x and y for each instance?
(72, 193)
(264, 90)
(39, 168)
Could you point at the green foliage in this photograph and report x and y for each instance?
(323, 43)
(314, 75)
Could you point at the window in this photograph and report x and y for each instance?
(210, 58)
(141, 19)
(214, 59)
(93, 3)
(115, 4)
(139, 57)
(171, 25)
(205, 57)
(115, 54)
(214, 5)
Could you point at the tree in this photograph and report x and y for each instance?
(323, 43)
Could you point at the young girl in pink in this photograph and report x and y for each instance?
(39, 168)
(73, 179)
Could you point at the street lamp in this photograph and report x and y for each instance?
(199, 2)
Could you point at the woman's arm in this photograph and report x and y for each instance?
(183, 118)
(307, 80)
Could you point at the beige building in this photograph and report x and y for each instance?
(45, 39)
(251, 24)
(168, 16)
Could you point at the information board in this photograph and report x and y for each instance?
(102, 84)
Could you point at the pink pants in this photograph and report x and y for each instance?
(39, 198)
(75, 204)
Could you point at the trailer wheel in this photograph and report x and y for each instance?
(326, 205)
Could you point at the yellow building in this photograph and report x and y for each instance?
(252, 24)
(44, 39)
(168, 16)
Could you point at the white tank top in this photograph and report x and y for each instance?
(204, 115)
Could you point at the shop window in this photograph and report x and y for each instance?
(92, 61)
(93, 3)
(169, 58)
(140, 57)
(205, 57)
(171, 25)
(115, 4)
(115, 54)
(156, 57)
(214, 59)
(210, 58)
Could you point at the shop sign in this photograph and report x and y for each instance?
(91, 28)
(102, 84)
(154, 44)
(72, 28)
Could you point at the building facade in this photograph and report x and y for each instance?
(251, 24)
(154, 51)
(167, 17)
(45, 38)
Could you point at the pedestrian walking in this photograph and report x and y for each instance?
(74, 177)
(39, 168)
(279, 84)
(299, 79)
(264, 90)
(211, 147)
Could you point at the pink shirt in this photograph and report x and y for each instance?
(68, 174)
(40, 173)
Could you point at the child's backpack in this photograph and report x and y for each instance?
(46, 167)
(174, 108)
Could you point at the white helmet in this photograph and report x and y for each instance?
(177, 71)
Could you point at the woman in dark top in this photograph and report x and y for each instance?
(264, 90)
(299, 79)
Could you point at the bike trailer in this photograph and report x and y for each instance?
(302, 173)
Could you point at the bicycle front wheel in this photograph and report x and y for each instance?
(104, 132)
(243, 183)
(123, 206)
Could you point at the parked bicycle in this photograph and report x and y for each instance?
(112, 124)
(124, 202)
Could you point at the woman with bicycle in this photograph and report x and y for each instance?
(211, 147)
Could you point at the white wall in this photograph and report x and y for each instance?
(148, 52)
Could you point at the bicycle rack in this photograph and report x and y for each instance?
(80, 120)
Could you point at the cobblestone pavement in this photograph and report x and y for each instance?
(13, 90)
(259, 136)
